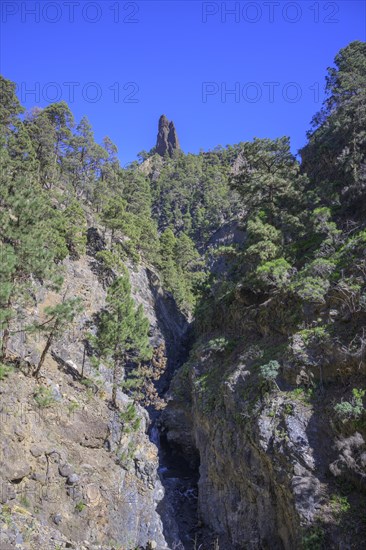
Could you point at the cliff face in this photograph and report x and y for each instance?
(167, 140)
(262, 466)
(69, 473)
(73, 472)
(275, 469)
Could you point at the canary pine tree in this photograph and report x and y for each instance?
(123, 328)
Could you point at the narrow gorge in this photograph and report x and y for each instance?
(183, 339)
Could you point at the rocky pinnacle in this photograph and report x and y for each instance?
(167, 139)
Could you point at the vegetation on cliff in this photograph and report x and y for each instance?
(279, 314)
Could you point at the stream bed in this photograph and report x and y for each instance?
(178, 508)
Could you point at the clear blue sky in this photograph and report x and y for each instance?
(170, 50)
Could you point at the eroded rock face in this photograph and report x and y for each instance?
(72, 471)
(257, 475)
(167, 139)
(69, 469)
(272, 461)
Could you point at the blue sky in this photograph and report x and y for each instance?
(123, 64)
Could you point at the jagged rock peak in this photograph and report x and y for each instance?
(167, 140)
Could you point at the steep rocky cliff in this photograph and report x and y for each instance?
(276, 468)
(240, 424)
(74, 472)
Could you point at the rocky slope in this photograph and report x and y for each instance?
(231, 462)
(276, 469)
(73, 473)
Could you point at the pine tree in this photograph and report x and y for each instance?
(185, 252)
(83, 161)
(336, 152)
(109, 181)
(43, 137)
(8, 263)
(267, 176)
(62, 120)
(122, 329)
(30, 243)
(167, 258)
(59, 320)
(10, 107)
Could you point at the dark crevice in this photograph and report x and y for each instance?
(178, 472)
(178, 508)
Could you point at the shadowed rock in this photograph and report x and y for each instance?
(167, 139)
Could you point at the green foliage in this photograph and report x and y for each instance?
(273, 274)
(10, 107)
(218, 345)
(122, 329)
(74, 228)
(59, 319)
(72, 407)
(83, 160)
(288, 408)
(269, 372)
(5, 515)
(60, 316)
(31, 241)
(127, 214)
(180, 266)
(44, 398)
(79, 506)
(311, 289)
(268, 176)
(340, 504)
(5, 370)
(24, 501)
(264, 241)
(111, 259)
(129, 418)
(335, 154)
(353, 409)
(190, 194)
(313, 538)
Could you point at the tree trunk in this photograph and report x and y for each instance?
(43, 356)
(116, 380)
(6, 334)
(4, 345)
(83, 364)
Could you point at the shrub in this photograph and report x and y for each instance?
(351, 410)
(314, 335)
(43, 397)
(320, 267)
(79, 506)
(311, 289)
(72, 407)
(313, 539)
(269, 372)
(218, 345)
(5, 370)
(130, 419)
(275, 273)
(340, 504)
